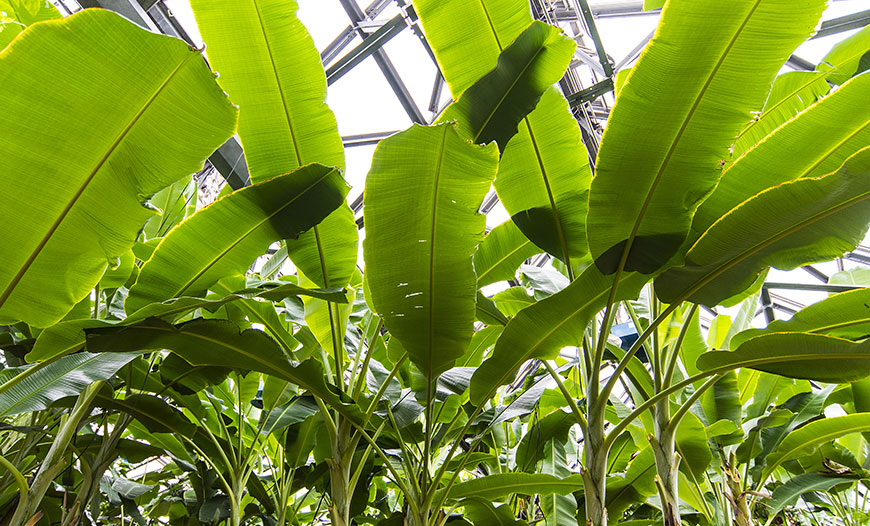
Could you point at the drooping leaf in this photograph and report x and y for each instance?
(814, 434)
(218, 342)
(427, 294)
(788, 493)
(660, 153)
(176, 202)
(16, 15)
(288, 414)
(501, 484)
(848, 57)
(113, 147)
(845, 315)
(492, 107)
(792, 93)
(722, 403)
(269, 66)
(67, 376)
(826, 134)
(542, 329)
(531, 449)
(635, 486)
(484, 512)
(224, 238)
(796, 355)
(69, 336)
(501, 253)
(691, 444)
(544, 175)
(557, 509)
(787, 226)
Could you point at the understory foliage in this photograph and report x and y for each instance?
(234, 364)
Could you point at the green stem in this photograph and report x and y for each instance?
(672, 361)
(568, 398)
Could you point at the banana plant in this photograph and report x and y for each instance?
(379, 394)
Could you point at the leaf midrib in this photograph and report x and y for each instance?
(508, 90)
(666, 161)
(111, 150)
(501, 260)
(818, 439)
(813, 79)
(562, 241)
(767, 242)
(250, 231)
(31, 394)
(272, 63)
(430, 315)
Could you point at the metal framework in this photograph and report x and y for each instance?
(588, 86)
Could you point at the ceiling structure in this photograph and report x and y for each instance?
(610, 36)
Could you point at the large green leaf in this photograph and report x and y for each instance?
(637, 484)
(75, 175)
(814, 434)
(419, 258)
(544, 175)
(16, 15)
(483, 512)
(661, 150)
(492, 107)
(67, 376)
(542, 329)
(787, 226)
(846, 315)
(501, 253)
(788, 493)
(220, 343)
(796, 355)
(826, 134)
(792, 93)
(502, 484)
(848, 57)
(270, 67)
(176, 202)
(224, 238)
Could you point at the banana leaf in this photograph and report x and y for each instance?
(544, 175)
(269, 66)
(800, 222)
(826, 134)
(224, 238)
(75, 175)
(419, 258)
(661, 151)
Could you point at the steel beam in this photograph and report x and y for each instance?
(387, 68)
(767, 306)
(843, 23)
(800, 64)
(347, 34)
(590, 93)
(129, 9)
(814, 287)
(583, 7)
(365, 139)
(366, 48)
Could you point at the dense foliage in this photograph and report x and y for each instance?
(234, 364)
